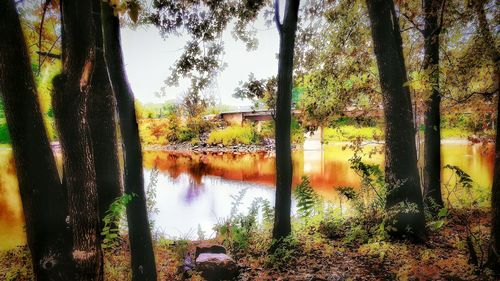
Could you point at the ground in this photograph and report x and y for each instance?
(443, 257)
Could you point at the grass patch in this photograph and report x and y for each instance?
(233, 135)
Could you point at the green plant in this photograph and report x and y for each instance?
(239, 230)
(350, 132)
(111, 229)
(307, 198)
(439, 221)
(201, 233)
(282, 252)
(460, 189)
(185, 134)
(297, 132)
(332, 227)
(372, 184)
(151, 197)
(4, 133)
(369, 220)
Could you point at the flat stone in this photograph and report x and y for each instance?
(215, 267)
(209, 248)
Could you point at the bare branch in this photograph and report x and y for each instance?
(279, 25)
(441, 19)
(49, 55)
(45, 6)
(414, 24)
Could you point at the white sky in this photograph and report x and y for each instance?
(149, 58)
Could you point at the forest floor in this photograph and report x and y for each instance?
(445, 256)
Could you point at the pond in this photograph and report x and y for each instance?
(194, 190)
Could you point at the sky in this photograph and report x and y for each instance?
(149, 57)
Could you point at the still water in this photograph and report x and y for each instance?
(194, 190)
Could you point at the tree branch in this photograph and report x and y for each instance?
(49, 55)
(42, 21)
(279, 25)
(415, 25)
(441, 19)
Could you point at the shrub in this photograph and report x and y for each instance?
(297, 132)
(347, 133)
(185, 134)
(233, 135)
(283, 252)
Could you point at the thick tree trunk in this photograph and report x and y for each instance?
(71, 93)
(432, 140)
(489, 44)
(102, 122)
(42, 194)
(494, 250)
(404, 198)
(282, 227)
(141, 246)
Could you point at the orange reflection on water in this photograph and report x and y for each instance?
(11, 211)
(213, 176)
(326, 169)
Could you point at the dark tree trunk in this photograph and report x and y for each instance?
(42, 194)
(141, 246)
(71, 93)
(489, 44)
(401, 173)
(494, 250)
(432, 139)
(102, 122)
(282, 227)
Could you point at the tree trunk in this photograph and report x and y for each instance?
(432, 139)
(71, 93)
(404, 197)
(102, 123)
(282, 227)
(42, 195)
(141, 246)
(494, 250)
(489, 44)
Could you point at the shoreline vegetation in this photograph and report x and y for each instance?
(320, 252)
(159, 134)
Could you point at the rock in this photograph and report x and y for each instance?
(215, 267)
(209, 248)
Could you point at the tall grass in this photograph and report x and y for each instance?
(233, 135)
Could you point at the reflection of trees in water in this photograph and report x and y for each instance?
(194, 190)
(175, 168)
(197, 169)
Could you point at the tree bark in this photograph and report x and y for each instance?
(490, 48)
(71, 94)
(494, 250)
(432, 116)
(282, 226)
(102, 122)
(141, 246)
(404, 198)
(42, 195)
